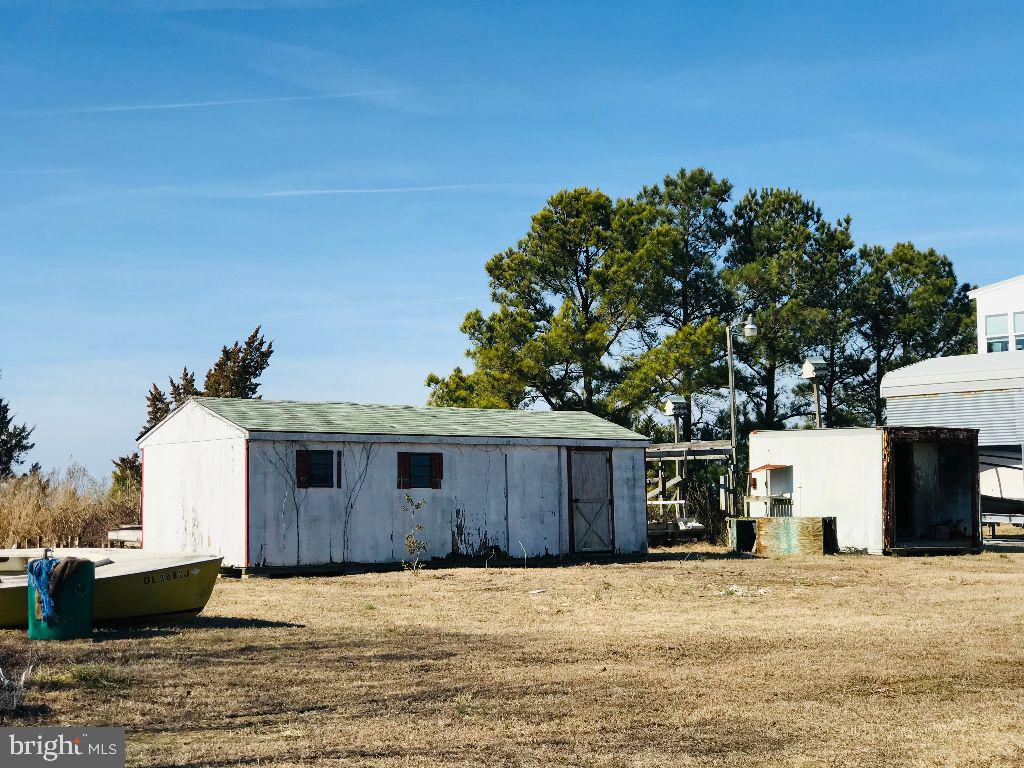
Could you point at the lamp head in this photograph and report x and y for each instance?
(749, 329)
(674, 405)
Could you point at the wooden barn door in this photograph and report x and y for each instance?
(590, 501)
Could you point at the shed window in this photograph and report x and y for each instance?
(997, 333)
(420, 470)
(314, 469)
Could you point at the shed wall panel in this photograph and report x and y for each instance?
(194, 498)
(628, 477)
(513, 498)
(836, 473)
(191, 423)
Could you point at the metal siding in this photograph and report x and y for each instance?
(998, 415)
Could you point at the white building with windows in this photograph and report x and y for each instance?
(290, 485)
(984, 391)
(1000, 308)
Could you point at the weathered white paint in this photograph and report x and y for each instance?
(194, 485)
(496, 493)
(513, 498)
(836, 473)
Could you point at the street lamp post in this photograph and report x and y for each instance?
(750, 333)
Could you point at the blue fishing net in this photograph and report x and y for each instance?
(39, 577)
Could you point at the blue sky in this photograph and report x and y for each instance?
(174, 172)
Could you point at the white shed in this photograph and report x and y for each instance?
(289, 485)
(891, 489)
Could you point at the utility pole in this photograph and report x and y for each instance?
(749, 333)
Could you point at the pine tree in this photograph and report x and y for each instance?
(567, 296)
(687, 290)
(183, 388)
(126, 479)
(236, 372)
(14, 441)
(157, 408)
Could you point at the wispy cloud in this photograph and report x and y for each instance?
(177, 6)
(367, 190)
(971, 234)
(255, 191)
(38, 171)
(310, 69)
(921, 151)
(86, 110)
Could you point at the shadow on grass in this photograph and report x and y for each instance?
(26, 713)
(495, 559)
(170, 628)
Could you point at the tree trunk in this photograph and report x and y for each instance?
(829, 390)
(770, 396)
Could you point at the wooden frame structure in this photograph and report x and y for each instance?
(666, 491)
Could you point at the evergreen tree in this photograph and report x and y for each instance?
(687, 290)
(568, 294)
(236, 373)
(126, 479)
(831, 283)
(14, 441)
(473, 390)
(773, 237)
(183, 388)
(157, 408)
(238, 369)
(688, 362)
(909, 307)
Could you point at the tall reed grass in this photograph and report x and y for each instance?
(61, 509)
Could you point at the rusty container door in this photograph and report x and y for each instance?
(590, 501)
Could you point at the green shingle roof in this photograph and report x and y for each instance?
(354, 418)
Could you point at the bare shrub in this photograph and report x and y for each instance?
(12, 690)
(69, 508)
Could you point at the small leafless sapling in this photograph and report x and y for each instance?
(12, 690)
(416, 547)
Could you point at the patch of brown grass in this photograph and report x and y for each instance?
(839, 661)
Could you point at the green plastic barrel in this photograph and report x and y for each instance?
(73, 604)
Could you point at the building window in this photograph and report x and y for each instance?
(997, 333)
(1018, 328)
(314, 469)
(420, 470)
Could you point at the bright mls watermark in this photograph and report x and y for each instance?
(84, 747)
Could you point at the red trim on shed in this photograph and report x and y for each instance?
(404, 470)
(246, 473)
(142, 497)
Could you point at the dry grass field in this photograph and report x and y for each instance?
(694, 659)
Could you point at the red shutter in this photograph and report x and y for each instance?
(302, 469)
(436, 469)
(403, 470)
(337, 477)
